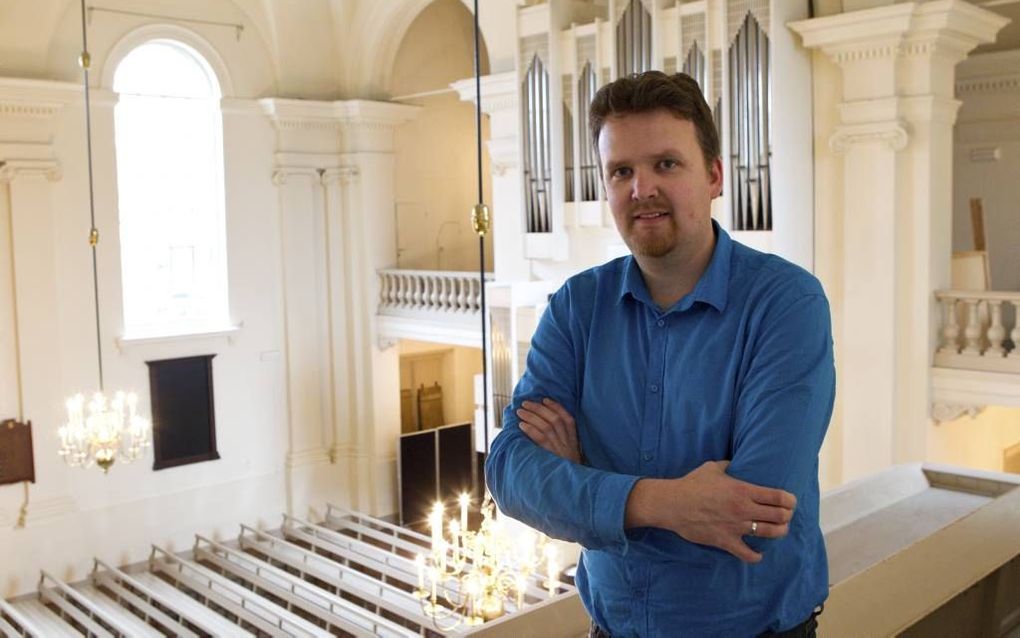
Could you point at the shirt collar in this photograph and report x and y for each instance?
(712, 288)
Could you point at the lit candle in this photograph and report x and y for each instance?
(521, 584)
(419, 562)
(455, 536)
(552, 569)
(434, 575)
(436, 521)
(464, 500)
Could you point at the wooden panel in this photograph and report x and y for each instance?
(16, 461)
(455, 475)
(183, 414)
(418, 476)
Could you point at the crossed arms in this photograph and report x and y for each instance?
(781, 414)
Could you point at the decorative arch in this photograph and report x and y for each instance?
(382, 35)
(151, 32)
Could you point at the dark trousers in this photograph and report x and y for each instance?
(804, 630)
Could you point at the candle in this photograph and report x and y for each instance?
(552, 569)
(455, 536)
(419, 562)
(464, 500)
(434, 574)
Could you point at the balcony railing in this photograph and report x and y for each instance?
(430, 293)
(979, 330)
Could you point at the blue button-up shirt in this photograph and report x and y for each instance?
(739, 369)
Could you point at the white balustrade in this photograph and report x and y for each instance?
(989, 334)
(428, 294)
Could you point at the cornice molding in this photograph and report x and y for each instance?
(903, 29)
(942, 412)
(893, 133)
(499, 91)
(14, 168)
(310, 114)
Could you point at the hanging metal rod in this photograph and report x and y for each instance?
(238, 28)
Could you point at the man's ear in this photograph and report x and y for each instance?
(715, 177)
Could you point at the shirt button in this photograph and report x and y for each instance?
(654, 388)
(647, 457)
(660, 323)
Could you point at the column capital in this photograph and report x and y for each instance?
(342, 174)
(891, 132)
(904, 29)
(14, 168)
(283, 174)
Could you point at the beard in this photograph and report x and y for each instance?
(653, 240)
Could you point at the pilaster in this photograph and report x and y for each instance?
(334, 170)
(894, 136)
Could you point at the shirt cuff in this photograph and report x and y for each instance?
(611, 507)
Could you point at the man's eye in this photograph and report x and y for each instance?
(622, 171)
(669, 164)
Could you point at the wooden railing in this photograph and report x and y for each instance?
(979, 330)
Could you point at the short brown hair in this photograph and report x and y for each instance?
(643, 92)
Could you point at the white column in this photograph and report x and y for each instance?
(500, 100)
(335, 164)
(895, 139)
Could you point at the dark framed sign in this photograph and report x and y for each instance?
(16, 460)
(183, 414)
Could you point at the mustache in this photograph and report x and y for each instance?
(650, 206)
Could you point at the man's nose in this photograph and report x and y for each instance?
(644, 185)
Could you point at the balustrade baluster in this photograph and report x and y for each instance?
(972, 331)
(951, 331)
(384, 290)
(996, 331)
(419, 291)
(434, 293)
(462, 294)
(1014, 335)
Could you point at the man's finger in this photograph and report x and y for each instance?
(740, 549)
(769, 514)
(769, 496)
(530, 416)
(768, 530)
(541, 410)
(560, 410)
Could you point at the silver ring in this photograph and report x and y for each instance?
(754, 528)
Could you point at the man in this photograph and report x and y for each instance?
(675, 400)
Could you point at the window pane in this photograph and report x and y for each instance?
(170, 183)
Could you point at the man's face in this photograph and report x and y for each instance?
(657, 183)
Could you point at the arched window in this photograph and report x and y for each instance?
(169, 143)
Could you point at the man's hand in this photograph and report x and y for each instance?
(709, 507)
(550, 426)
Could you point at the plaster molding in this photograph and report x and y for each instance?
(307, 458)
(342, 174)
(942, 412)
(902, 29)
(13, 168)
(282, 174)
(290, 114)
(36, 98)
(40, 510)
(1004, 84)
(499, 91)
(503, 154)
(893, 133)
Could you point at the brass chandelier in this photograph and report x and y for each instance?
(104, 430)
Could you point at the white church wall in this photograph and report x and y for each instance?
(75, 514)
(975, 441)
(436, 171)
(986, 160)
